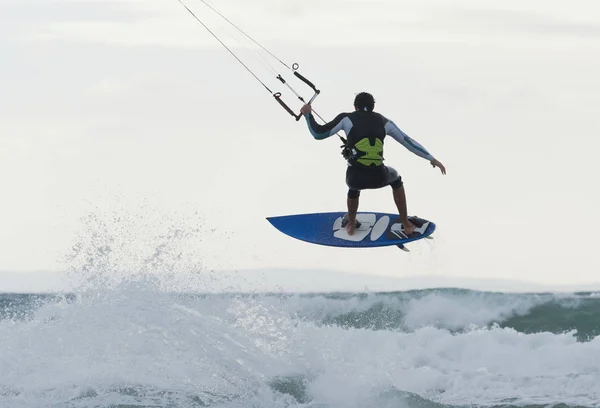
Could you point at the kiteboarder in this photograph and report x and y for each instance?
(363, 151)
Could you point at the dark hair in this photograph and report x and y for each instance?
(364, 101)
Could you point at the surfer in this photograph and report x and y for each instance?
(363, 150)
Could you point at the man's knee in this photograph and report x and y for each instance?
(353, 194)
(396, 184)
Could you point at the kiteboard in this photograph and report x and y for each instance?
(376, 229)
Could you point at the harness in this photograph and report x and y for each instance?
(347, 152)
(363, 152)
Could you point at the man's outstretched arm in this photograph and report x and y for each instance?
(412, 145)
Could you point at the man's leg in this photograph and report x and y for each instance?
(400, 200)
(352, 202)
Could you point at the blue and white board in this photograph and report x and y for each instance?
(376, 229)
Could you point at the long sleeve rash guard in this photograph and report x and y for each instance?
(359, 124)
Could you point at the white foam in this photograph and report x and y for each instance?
(456, 311)
(443, 309)
(226, 350)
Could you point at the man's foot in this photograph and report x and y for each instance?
(409, 227)
(350, 226)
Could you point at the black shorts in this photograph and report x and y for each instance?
(359, 178)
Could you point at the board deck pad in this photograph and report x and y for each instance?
(376, 229)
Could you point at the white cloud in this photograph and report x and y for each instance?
(108, 86)
(117, 86)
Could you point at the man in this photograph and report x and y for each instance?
(365, 131)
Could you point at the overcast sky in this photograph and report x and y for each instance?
(122, 121)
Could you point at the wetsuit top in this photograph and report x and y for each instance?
(365, 132)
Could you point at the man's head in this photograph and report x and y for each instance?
(364, 101)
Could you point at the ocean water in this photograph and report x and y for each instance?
(132, 345)
(143, 323)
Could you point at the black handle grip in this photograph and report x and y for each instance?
(306, 81)
(284, 105)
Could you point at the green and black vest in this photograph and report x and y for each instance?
(364, 145)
